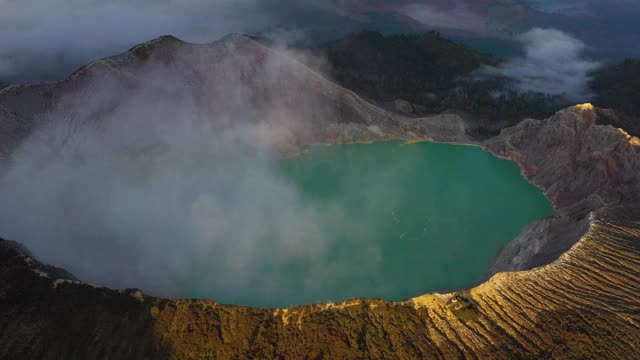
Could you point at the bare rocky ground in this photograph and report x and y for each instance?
(567, 287)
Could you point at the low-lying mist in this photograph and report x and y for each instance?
(140, 186)
(554, 63)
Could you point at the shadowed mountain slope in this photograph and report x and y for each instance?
(434, 74)
(400, 67)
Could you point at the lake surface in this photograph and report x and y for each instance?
(398, 220)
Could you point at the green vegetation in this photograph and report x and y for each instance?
(463, 308)
(401, 66)
(432, 73)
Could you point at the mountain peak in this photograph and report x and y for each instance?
(585, 107)
(235, 37)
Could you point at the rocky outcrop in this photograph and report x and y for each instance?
(582, 167)
(403, 106)
(565, 288)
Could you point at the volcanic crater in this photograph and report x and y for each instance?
(567, 285)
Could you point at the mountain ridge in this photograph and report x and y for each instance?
(251, 56)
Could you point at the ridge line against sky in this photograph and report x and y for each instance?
(41, 40)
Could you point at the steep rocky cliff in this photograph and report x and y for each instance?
(567, 287)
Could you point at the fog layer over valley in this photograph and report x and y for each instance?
(554, 63)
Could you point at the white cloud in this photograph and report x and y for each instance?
(553, 63)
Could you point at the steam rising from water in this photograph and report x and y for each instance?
(140, 188)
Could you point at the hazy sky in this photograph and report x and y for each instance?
(46, 40)
(42, 38)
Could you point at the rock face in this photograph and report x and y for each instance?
(583, 168)
(234, 77)
(403, 106)
(567, 287)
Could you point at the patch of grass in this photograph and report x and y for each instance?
(463, 308)
(155, 310)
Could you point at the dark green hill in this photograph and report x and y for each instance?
(387, 68)
(432, 73)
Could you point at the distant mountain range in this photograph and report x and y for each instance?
(609, 28)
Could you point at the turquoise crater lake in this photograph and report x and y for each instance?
(404, 219)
